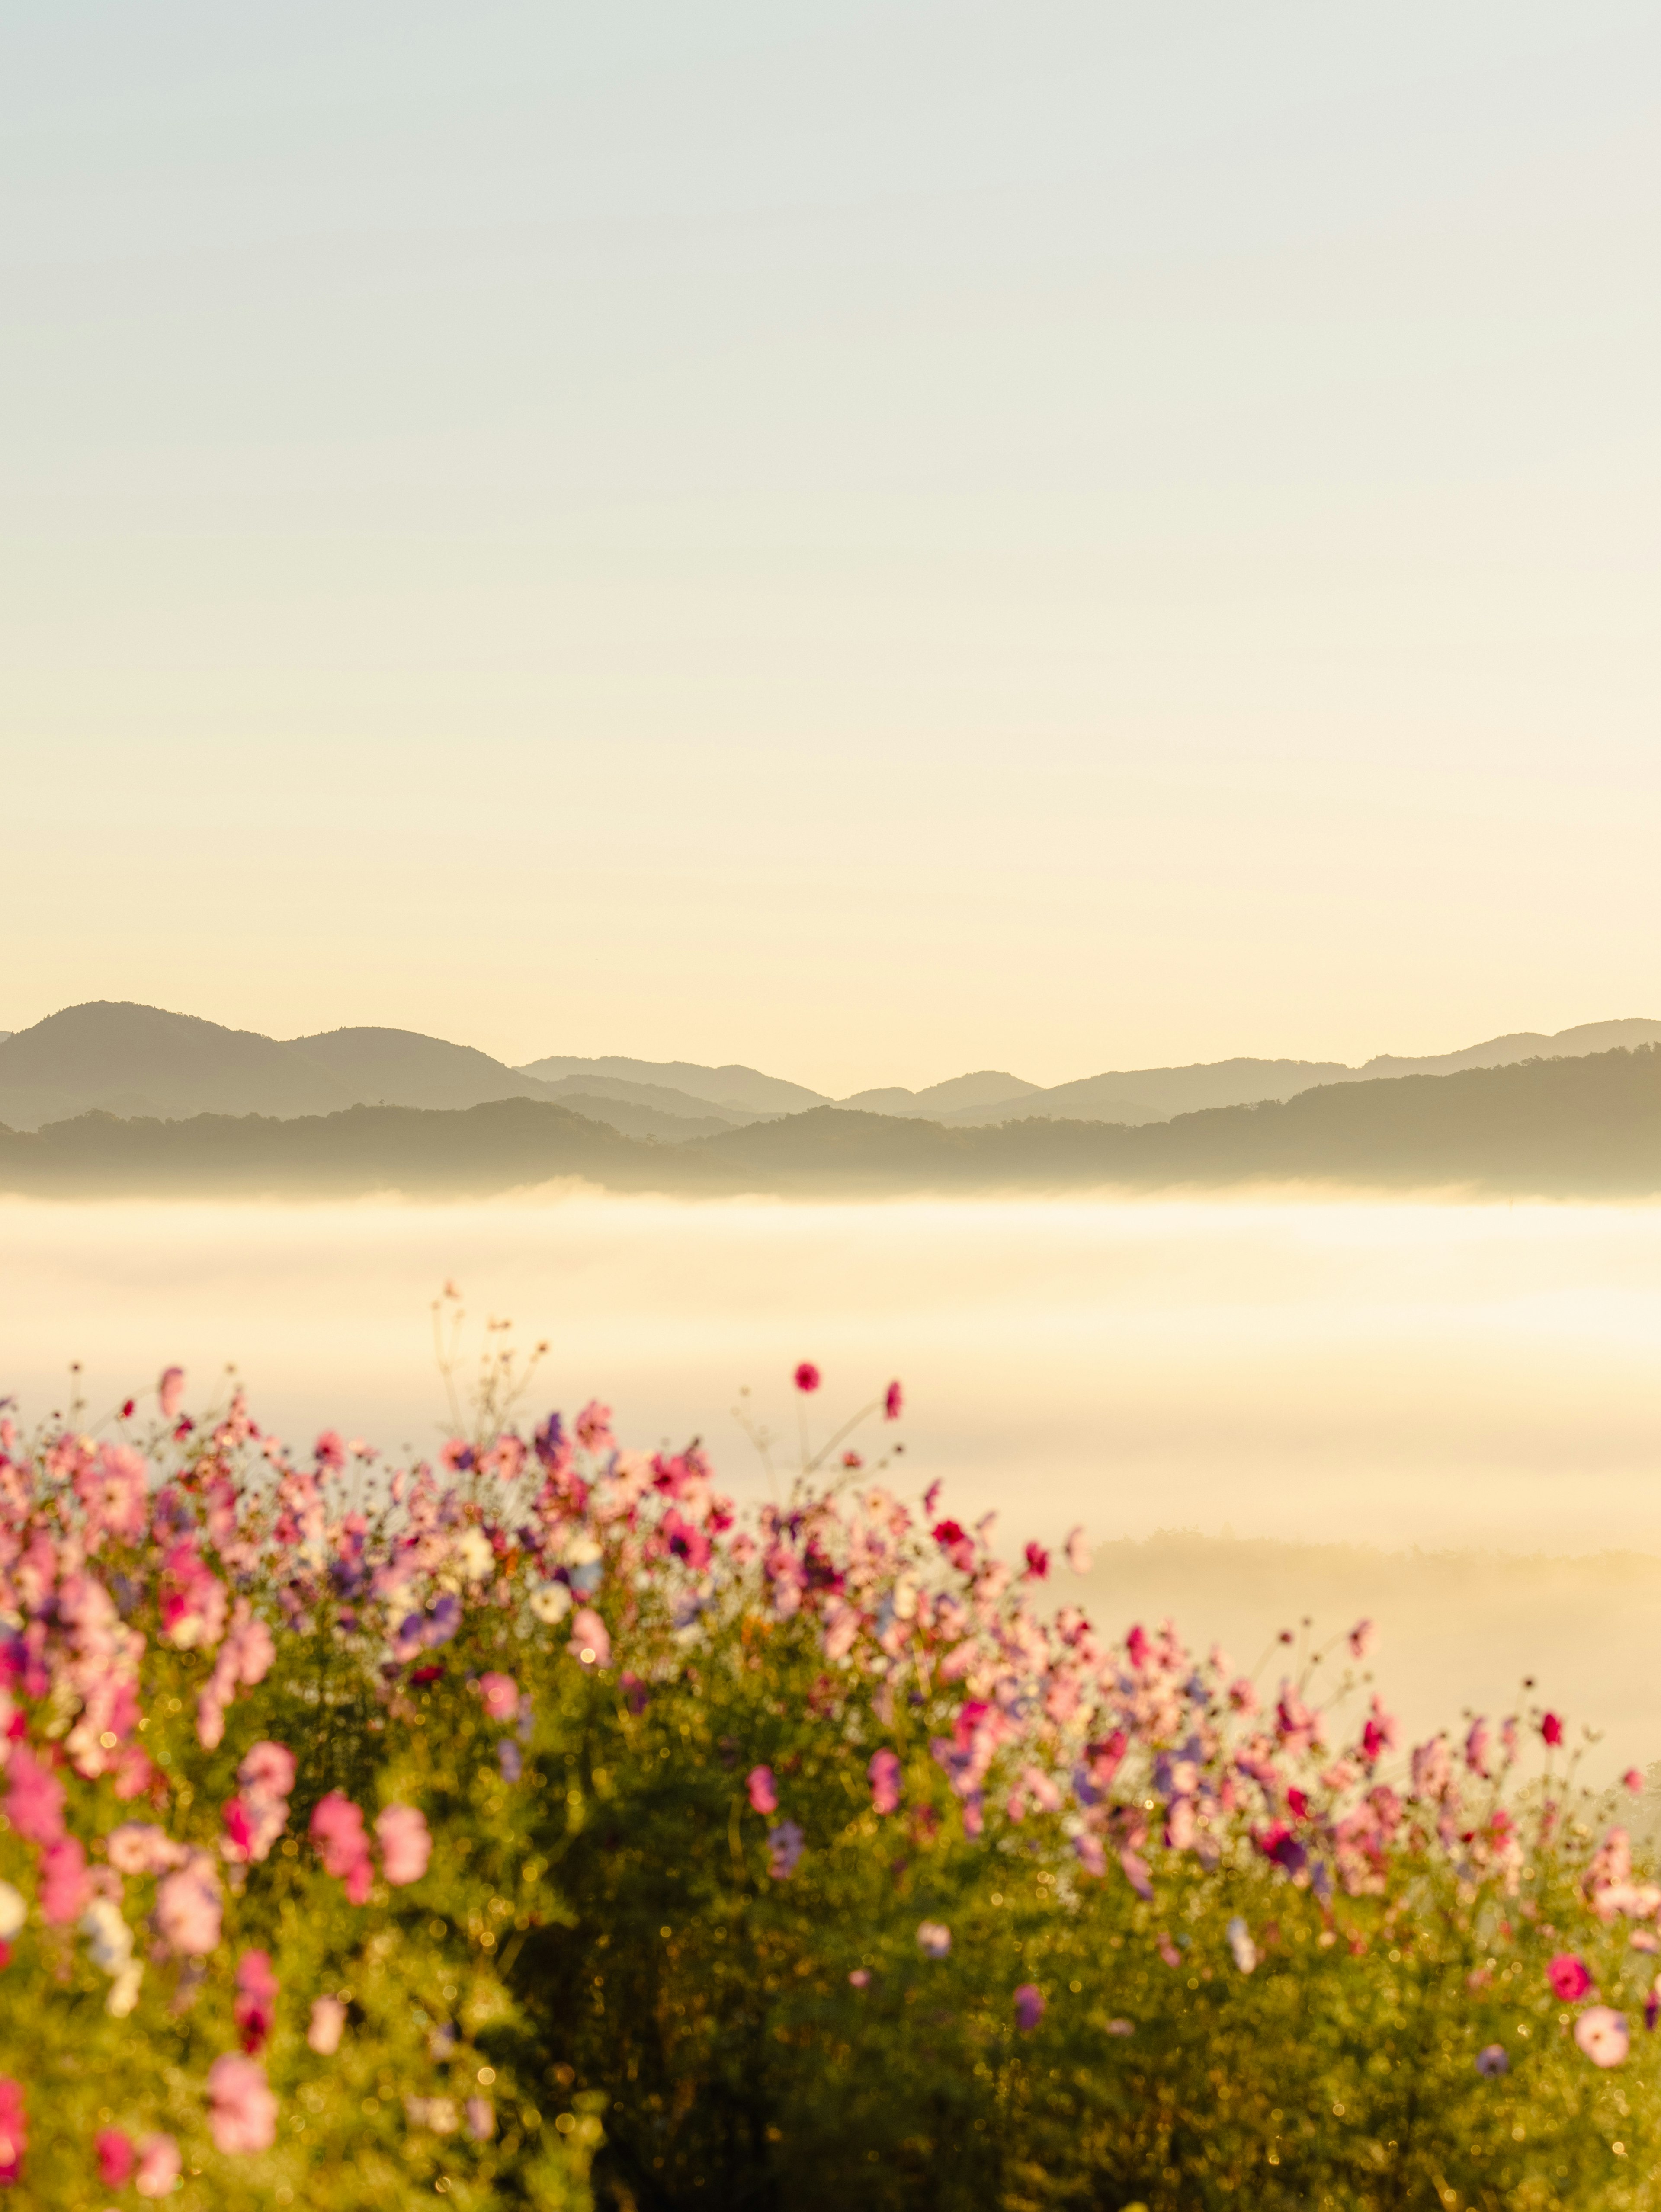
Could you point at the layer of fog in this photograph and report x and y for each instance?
(1350, 1381)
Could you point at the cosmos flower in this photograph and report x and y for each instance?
(1029, 2007)
(116, 2157)
(934, 1938)
(170, 1391)
(1601, 2032)
(883, 1773)
(807, 1377)
(894, 1402)
(1491, 2060)
(159, 2164)
(242, 2110)
(1569, 1977)
(763, 1796)
(1241, 1945)
(325, 2026)
(785, 1844)
(405, 1844)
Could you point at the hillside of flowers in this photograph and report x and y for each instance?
(524, 1827)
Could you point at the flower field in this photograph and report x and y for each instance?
(527, 1828)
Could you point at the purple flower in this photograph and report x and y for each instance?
(1029, 2007)
(785, 1843)
(1492, 2060)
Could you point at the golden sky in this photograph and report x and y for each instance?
(872, 540)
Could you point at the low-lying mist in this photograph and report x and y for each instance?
(1311, 1389)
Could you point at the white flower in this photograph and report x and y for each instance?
(934, 1938)
(551, 1603)
(582, 1552)
(1240, 1942)
(14, 1912)
(109, 1939)
(124, 1990)
(905, 1600)
(473, 1554)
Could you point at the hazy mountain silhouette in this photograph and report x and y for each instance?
(138, 1060)
(745, 1088)
(1584, 1127)
(612, 1093)
(941, 1101)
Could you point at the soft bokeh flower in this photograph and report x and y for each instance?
(1569, 1977)
(14, 1912)
(1633, 1779)
(1491, 2059)
(14, 2130)
(1363, 1640)
(170, 1391)
(481, 2119)
(894, 1402)
(1551, 1728)
(188, 1905)
(336, 1830)
(934, 1938)
(405, 1844)
(785, 1844)
(860, 1978)
(242, 2110)
(763, 1797)
(1601, 2032)
(256, 2000)
(1077, 1552)
(116, 2157)
(590, 1638)
(884, 1774)
(1029, 2007)
(64, 1889)
(500, 1693)
(159, 2164)
(551, 1603)
(808, 1376)
(140, 1847)
(325, 2026)
(1240, 1944)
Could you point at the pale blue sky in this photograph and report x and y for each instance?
(870, 540)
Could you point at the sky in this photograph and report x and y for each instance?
(870, 540)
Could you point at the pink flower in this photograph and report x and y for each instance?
(1551, 1728)
(593, 1426)
(589, 1637)
(328, 2023)
(242, 2112)
(35, 1798)
(808, 1376)
(1476, 1747)
(1029, 2007)
(481, 2119)
(500, 1696)
(763, 1797)
(1363, 1638)
(336, 1831)
(860, 1978)
(158, 2166)
(329, 1451)
(1077, 1552)
(1037, 1564)
(140, 1847)
(170, 1391)
(1601, 2032)
(64, 1890)
(188, 1905)
(405, 1844)
(1633, 1780)
(894, 1402)
(934, 1938)
(785, 1844)
(1568, 1976)
(14, 2130)
(116, 2157)
(255, 1999)
(885, 1773)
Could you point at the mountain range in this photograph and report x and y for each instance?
(136, 1062)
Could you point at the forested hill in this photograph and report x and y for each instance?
(1580, 1128)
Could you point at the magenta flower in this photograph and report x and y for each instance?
(159, 2163)
(1633, 1780)
(1491, 2060)
(1037, 1564)
(763, 1797)
(594, 1427)
(1569, 1977)
(337, 1834)
(1601, 2032)
(170, 1391)
(1551, 1728)
(116, 2157)
(500, 1696)
(327, 2023)
(894, 1402)
(1029, 2007)
(405, 1844)
(808, 1376)
(242, 2110)
(1363, 1638)
(13, 2131)
(785, 1844)
(256, 2000)
(885, 1776)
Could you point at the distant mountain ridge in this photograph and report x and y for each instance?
(139, 1061)
(1586, 1126)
